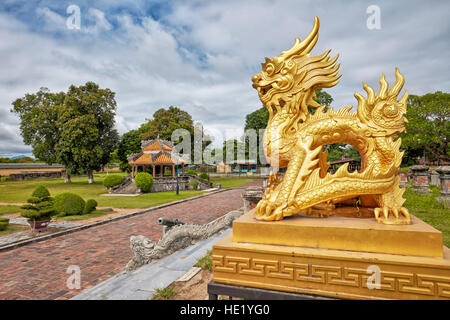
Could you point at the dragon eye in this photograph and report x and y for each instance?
(269, 68)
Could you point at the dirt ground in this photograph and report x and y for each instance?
(193, 289)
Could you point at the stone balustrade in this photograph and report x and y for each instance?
(444, 175)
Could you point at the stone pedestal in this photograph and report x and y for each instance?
(434, 178)
(420, 178)
(444, 176)
(350, 258)
(403, 180)
(251, 197)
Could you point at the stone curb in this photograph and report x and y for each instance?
(94, 224)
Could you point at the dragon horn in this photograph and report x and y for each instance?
(305, 46)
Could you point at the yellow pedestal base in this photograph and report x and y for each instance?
(343, 273)
(353, 234)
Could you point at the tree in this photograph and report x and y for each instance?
(162, 125)
(130, 143)
(86, 124)
(38, 114)
(428, 127)
(164, 122)
(258, 119)
(75, 129)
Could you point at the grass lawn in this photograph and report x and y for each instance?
(233, 182)
(428, 209)
(93, 214)
(20, 191)
(11, 228)
(9, 209)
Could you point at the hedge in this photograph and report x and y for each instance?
(204, 175)
(69, 204)
(90, 206)
(144, 181)
(112, 180)
(41, 207)
(4, 223)
(191, 172)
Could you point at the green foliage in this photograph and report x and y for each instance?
(165, 121)
(112, 180)
(4, 223)
(90, 206)
(38, 114)
(428, 127)
(428, 209)
(194, 184)
(204, 176)
(164, 294)
(41, 192)
(41, 207)
(144, 181)
(69, 204)
(257, 119)
(205, 262)
(129, 144)
(75, 129)
(193, 172)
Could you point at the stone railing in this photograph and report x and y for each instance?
(27, 175)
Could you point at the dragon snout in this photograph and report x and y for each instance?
(256, 79)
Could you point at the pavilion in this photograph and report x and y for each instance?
(158, 155)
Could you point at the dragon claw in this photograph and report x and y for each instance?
(269, 211)
(396, 212)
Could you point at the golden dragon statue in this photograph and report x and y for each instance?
(295, 138)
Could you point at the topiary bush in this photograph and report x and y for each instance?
(112, 180)
(4, 223)
(204, 175)
(90, 206)
(191, 172)
(194, 184)
(40, 192)
(144, 181)
(69, 204)
(41, 205)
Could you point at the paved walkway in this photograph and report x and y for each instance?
(141, 283)
(39, 270)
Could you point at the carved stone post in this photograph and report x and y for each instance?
(444, 175)
(420, 177)
(251, 197)
(434, 178)
(403, 180)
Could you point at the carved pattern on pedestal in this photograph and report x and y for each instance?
(303, 273)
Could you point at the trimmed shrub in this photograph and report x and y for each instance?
(194, 184)
(191, 172)
(40, 207)
(3, 223)
(112, 180)
(41, 192)
(204, 175)
(69, 204)
(144, 181)
(90, 206)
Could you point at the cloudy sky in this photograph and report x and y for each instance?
(200, 55)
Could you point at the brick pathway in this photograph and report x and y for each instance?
(38, 270)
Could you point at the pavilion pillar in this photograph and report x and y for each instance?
(173, 170)
(143, 168)
(182, 169)
(162, 170)
(154, 171)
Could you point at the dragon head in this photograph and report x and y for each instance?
(291, 78)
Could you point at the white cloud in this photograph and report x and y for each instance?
(201, 56)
